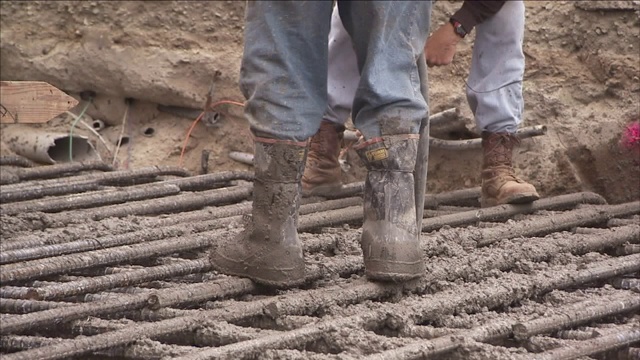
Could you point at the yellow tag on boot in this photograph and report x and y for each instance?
(377, 154)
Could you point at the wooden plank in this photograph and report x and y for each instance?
(32, 102)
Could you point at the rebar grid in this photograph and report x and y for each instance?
(466, 297)
(66, 280)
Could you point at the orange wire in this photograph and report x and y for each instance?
(195, 122)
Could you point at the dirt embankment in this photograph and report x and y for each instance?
(582, 82)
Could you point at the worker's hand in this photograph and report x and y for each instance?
(441, 46)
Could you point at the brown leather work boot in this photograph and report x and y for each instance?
(322, 172)
(500, 185)
(268, 250)
(390, 237)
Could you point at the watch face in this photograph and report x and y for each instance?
(457, 27)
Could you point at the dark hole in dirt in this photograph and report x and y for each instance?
(385, 331)
(149, 131)
(124, 140)
(324, 347)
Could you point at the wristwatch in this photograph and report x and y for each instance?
(457, 27)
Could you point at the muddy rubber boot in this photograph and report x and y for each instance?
(322, 172)
(390, 238)
(500, 185)
(268, 250)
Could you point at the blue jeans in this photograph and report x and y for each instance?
(495, 77)
(494, 90)
(284, 65)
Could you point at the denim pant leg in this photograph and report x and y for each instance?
(283, 74)
(497, 69)
(388, 38)
(343, 75)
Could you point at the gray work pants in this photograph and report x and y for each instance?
(284, 66)
(495, 78)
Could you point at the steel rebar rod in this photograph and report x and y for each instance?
(464, 197)
(141, 349)
(14, 292)
(170, 204)
(503, 212)
(576, 316)
(444, 116)
(592, 346)
(628, 249)
(91, 199)
(205, 181)
(111, 305)
(577, 334)
(558, 222)
(37, 189)
(60, 170)
(16, 160)
(58, 265)
(211, 333)
(19, 306)
(62, 189)
(127, 238)
(622, 222)
(460, 299)
(108, 178)
(8, 178)
(118, 280)
(351, 214)
(195, 293)
(521, 133)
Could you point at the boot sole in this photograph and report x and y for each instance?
(394, 272)
(224, 266)
(523, 198)
(392, 277)
(515, 199)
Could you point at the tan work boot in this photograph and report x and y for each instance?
(322, 172)
(268, 250)
(500, 185)
(390, 237)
